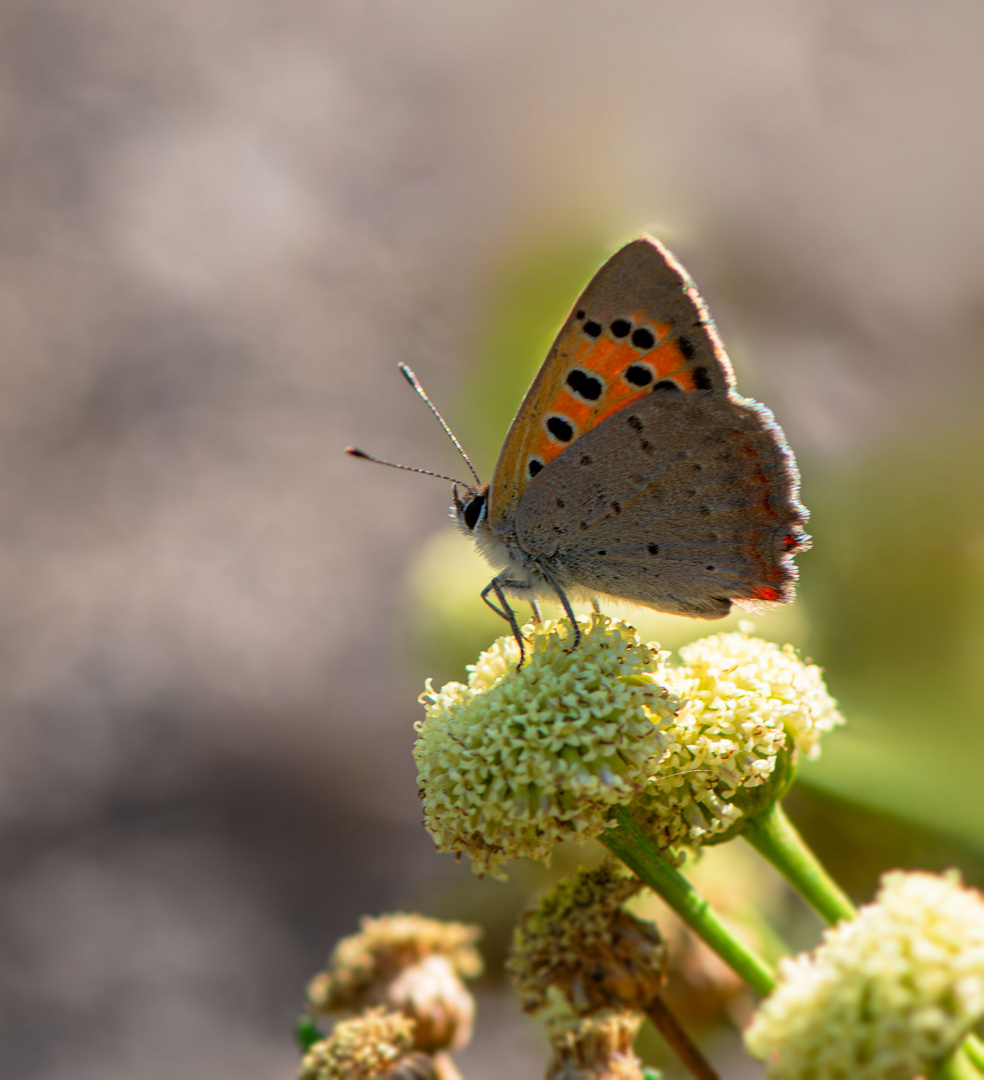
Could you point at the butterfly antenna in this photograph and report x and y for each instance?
(412, 380)
(354, 452)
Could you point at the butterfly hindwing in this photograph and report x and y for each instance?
(681, 503)
(639, 328)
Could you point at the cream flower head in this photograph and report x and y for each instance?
(747, 704)
(886, 996)
(517, 761)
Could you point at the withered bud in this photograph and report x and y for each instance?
(431, 992)
(595, 1048)
(409, 963)
(578, 942)
(375, 1046)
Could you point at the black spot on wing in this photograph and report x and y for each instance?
(592, 328)
(643, 338)
(561, 428)
(702, 379)
(620, 328)
(588, 387)
(638, 374)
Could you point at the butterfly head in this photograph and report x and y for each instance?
(470, 509)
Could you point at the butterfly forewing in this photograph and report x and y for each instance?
(639, 328)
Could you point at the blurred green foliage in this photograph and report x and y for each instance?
(528, 299)
(895, 591)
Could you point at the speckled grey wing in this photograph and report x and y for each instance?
(681, 502)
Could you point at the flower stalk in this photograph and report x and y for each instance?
(630, 843)
(775, 837)
(975, 1051)
(679, 1041)
(958, 1066)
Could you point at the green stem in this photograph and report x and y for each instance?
(958, 1066)
(776, 838)
(975, 1050)
(637, 850)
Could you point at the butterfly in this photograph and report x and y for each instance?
(633, 470)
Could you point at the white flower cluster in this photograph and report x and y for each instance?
(522, 758)
(886, 996)
(745, 702)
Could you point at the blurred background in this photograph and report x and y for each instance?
(222, 224)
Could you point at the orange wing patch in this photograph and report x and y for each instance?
(671, 363)
(611, 374)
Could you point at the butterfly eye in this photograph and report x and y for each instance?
(473, 511)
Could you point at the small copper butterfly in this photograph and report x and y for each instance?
(632, 469)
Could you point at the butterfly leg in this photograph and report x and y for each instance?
(596, 606)
(537, 613)
(562, 597)
(504, 610)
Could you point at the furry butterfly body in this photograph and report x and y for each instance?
(632, 469)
